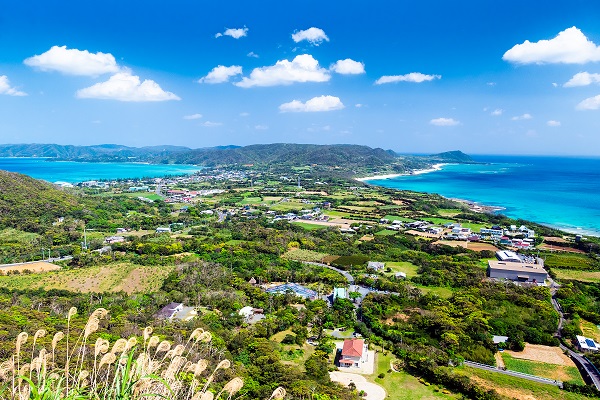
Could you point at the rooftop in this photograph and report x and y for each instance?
(353, 348)
(515, 266)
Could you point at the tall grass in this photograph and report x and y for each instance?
(128, 369)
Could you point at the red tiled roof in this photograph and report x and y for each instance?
(353, 348)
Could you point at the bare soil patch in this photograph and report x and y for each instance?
(422, 234)
(504, 391)
(36, 267)
(475, 246)
(547, 354)
(549, 247)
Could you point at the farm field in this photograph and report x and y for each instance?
(590, 330)
(516, 388)
(583, 276)
(565, 373)
(35, 267)
(569, 261)
(129, 278)
(475, 246)
(310, 226)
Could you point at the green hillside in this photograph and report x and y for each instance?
(27, 203)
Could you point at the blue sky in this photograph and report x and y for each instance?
(484, 77)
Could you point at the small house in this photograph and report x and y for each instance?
(586, 344)
(354, 353)
(169, 311)
(375, 266)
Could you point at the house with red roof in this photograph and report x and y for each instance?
(354, 353)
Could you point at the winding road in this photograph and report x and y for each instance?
(593, 375)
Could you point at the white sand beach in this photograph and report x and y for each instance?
(434, 167)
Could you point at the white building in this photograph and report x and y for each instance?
(354, 353)
(586, 344)
(508, 256)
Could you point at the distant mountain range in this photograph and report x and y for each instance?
(340, 155)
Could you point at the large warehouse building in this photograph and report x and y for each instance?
(517, 271)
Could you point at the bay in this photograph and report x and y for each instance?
(562, 192)
(73, 172)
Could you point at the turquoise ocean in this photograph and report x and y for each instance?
(72, 172)
(562, 192)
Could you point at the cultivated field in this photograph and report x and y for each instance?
(36, 267)
(516, 388)
(583, 276)
(475, 246)
(125, 277)
(590, 330)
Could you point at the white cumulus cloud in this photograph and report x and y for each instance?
(124, 86)
(497, 112)
(252, 54)
(211, 124)
(74, 62)
(570, 46)
(5, 88)
(261, 127)
(583, 79)
(444, 122)
(591, 103)
(553, 123)
(314, 36)
(193, 116)
(415, 77)
(522, 117)
(221, 73)
(348, 67)
(234, 33)
(303, 68)
(316, 104)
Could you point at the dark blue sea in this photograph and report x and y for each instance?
(72, 172)
(563, 192)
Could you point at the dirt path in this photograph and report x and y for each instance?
(499, 361)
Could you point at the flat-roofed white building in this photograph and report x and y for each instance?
(508, 256)
(586, 344)
(517, 271)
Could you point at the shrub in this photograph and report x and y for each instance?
(126, 369)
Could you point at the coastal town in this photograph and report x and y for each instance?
(336, 248)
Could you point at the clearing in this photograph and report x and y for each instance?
(37, 267)
(560, 372)
(400, 385)
(129, 278)
(541, 353)
(475, 246)
(590, 330)
(583, 276)
(410, 269)
(516, 388)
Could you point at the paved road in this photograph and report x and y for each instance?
(593, 374)
(373, 391)
(515, 373)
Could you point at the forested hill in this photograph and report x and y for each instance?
(101, 152)
(290, 154)
(27, 203)
(344, 156)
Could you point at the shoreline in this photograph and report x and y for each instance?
(434, 168)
